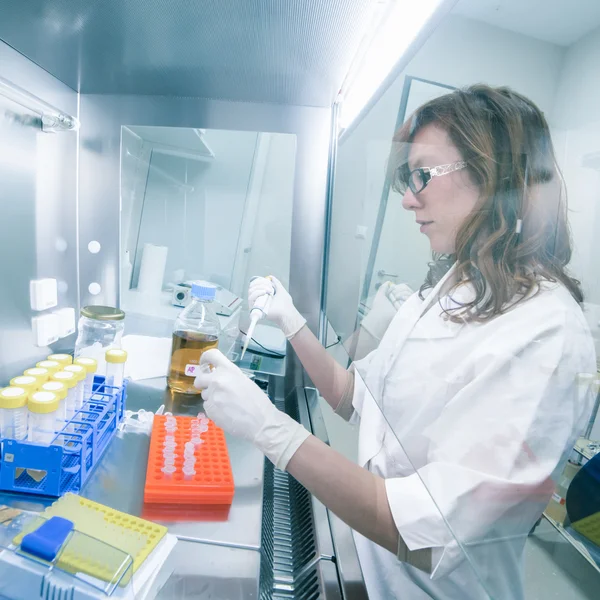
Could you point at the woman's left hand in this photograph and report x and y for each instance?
(241, 408)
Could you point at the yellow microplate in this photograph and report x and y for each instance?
(102, 530)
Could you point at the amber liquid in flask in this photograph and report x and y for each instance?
(186, 352)
(196, 330)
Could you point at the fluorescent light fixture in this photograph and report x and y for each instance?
(52, 120)
(394, 26)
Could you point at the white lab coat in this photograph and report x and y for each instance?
(472, 422)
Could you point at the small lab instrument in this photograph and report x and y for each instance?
(225, 302)
(258, 311)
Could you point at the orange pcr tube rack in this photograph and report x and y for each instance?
(188, 463)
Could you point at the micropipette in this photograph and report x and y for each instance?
(259, 310)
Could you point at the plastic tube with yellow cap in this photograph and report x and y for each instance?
(81, 373)
(42, 375)
(52, 366)
(70, 381)
(13, 413)
(61, 390)
(63, 359)
(28, 383)
(91, 366)
(115, 366)
(42, 417)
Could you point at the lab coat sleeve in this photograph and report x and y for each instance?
(344, 408)
(358, 369)
(514, 410)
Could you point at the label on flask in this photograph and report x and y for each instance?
(191, 370)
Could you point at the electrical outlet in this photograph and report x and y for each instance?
(66, 321)
(43, 294)
(45, 329)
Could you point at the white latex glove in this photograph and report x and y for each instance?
(398, 294)
(282, 310)
(388, 299)
(241, 408)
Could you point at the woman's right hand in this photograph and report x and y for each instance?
(282, 310)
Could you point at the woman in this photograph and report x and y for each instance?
(471, 401)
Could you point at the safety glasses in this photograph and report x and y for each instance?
(418, 179)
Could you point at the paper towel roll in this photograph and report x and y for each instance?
(152, 269)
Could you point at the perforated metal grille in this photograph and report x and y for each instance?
(279, 51)
(289, 546)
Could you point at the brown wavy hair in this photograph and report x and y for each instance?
(505, 140)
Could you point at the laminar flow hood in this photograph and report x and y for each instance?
(271, 51)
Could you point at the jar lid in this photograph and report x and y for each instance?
(63, 359)
(69, 379)
(42, 375)
(56, 387)
(43, 402)
(102, 313)
(77, 370)
(28, 383)
(116, 356)
(13, 397)
(50, 365)
(89, 364)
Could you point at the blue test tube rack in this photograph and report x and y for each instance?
(65, 464)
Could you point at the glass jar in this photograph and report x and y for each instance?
(100, 328)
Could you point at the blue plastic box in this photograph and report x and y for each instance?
(65, 465)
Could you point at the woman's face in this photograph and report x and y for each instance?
(441, 208)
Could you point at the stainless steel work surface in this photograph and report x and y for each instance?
(118, 481)
(202, 571)
(217, 555)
